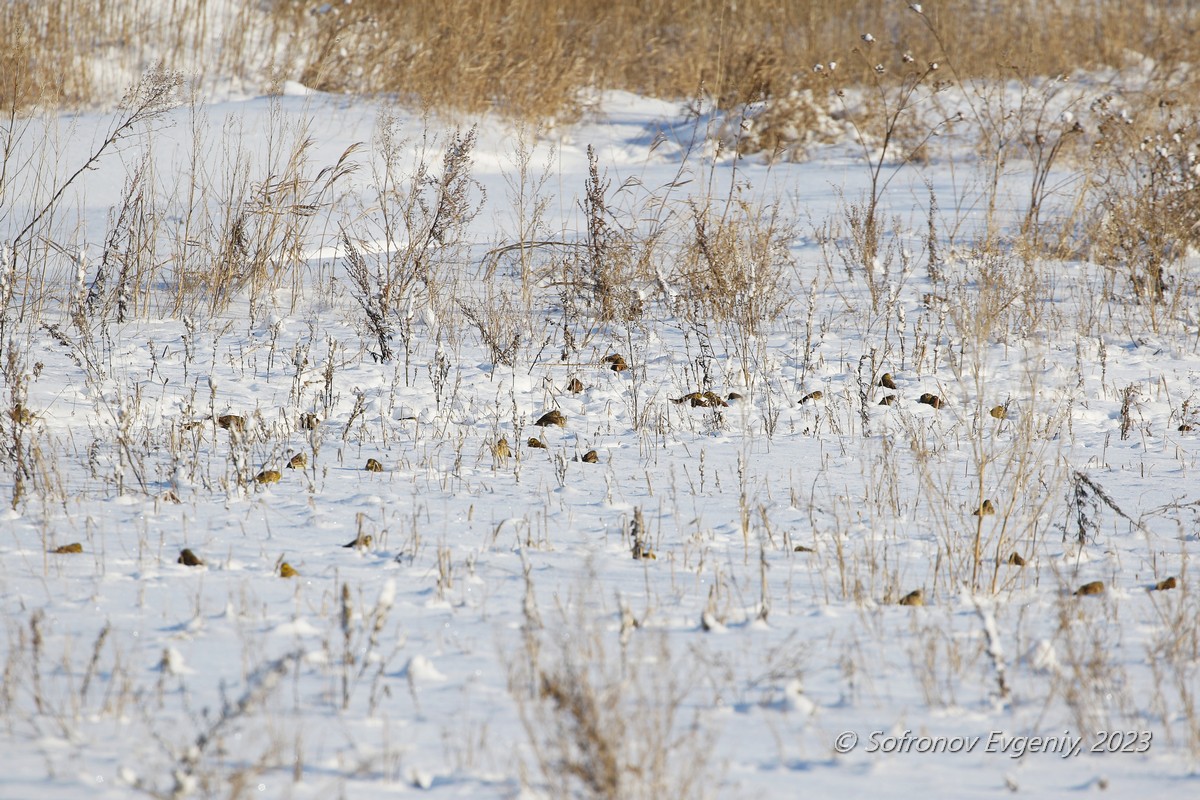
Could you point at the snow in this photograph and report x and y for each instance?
(421, 662)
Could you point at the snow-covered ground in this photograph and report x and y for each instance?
(493, 635)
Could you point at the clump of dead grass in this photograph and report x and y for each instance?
(1147, 185)
(735, 264)
(606, 719)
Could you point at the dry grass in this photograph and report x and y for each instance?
(1147, 198)
(605, 725)
(735, 264)
(74, 53)
(531, 59)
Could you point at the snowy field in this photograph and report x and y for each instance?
(786, 587)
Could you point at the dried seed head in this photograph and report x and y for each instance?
(347, 608)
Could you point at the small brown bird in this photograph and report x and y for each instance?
(268, 476)
(998, 412)
(887, 381)
(73, 547)
(554, 417)
(913, 598)
(189, 559)
(985, 509)
(536, 443)
(591, 457)
(1015, 559)
(232, 422)
(373, 466)
(298, 461)
(640, 551)
(888, 400)
(362, 542)
(287, 571)
(575, 386)
(735, 397)
(309, 421)
(931, 400)
(1165, 584)
(501, 449)
(700, 400)
(1092, 587)
(817, 395)
(616, 362)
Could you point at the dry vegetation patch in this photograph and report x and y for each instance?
(531, 59)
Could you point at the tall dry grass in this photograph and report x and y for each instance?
(82, 53)
(532, 58)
